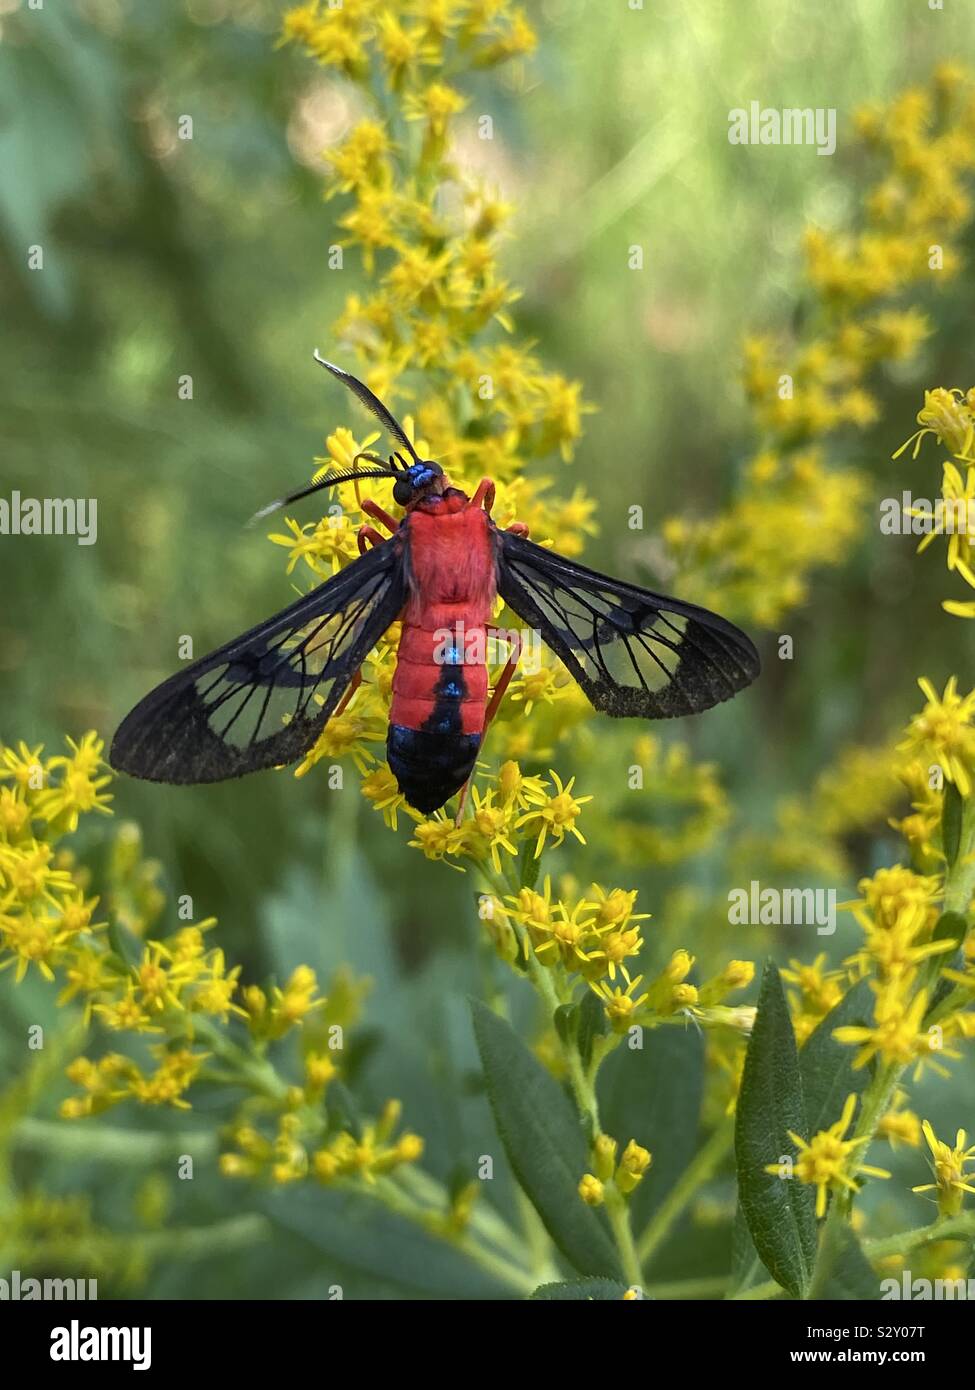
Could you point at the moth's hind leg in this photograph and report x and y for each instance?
(343, 704)
(497, 695)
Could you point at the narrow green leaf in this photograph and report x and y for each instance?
(826, 1066)
(951, 816)
(779, 1211)
(528, 865)
(544, 1141)
(746, 1268)
(580, 1290)
(653, 1095)
(842, 1269)
(566, 1020)
(950, 926)
(343, 1113)
(592, 1025)
(125, 943)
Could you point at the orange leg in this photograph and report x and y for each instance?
(518, 528)
(484, 496)
(368, 535)
(497, 695)
(374, 510)
(354, 684)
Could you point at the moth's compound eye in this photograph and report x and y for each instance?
(402, 491)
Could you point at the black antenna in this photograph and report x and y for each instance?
(331, 479)
(371, 402)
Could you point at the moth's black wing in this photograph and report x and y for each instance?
(263, 699)
(633, 652)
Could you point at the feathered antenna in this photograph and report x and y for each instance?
(331, 479)
(371, 402)
(347, 475)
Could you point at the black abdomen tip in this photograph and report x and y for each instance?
(430, 767)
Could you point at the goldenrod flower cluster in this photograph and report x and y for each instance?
(175, 991)
(623, 1173)
(300, 1146)
(899, 909)
(950, 417)
(794, 512)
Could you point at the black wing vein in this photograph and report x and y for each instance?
(203, 724)
(634, 652)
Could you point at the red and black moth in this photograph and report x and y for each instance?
(263, 699)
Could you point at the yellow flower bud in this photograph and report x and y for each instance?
(409, 1148)
(604, 1156)
(591, 1190)
(633, 1165)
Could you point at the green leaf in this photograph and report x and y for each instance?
(544, 1141)
(343, 1113)
(581, 1290)
(826, 1066)
(566, 1018)
(653, 1095)
(125, 943)
(779, 1211)
(592, 1025)
(746, 1268)
(842, 1269)
(950, 926)
(528, 865)
(951, 817)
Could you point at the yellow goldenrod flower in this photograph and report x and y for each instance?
(951, 1181)
(826, 1159)
(487, 830)
(944, 729)
(554, 816)
(289, 1007)
(898, 1125)
(737, 974)
(620, 1004)
(950, 417)
(894, 1035)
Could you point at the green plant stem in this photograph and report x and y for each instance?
(256, 1073)
(543, 1266)
(485, 1221)
(682, 1289)
(204, 1241)
(956, 1228)
(583, 1083)
(618, 1212)
(695, 1175)
(392, 1196)
(103, 1143)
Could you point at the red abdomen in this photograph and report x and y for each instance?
(441, 676)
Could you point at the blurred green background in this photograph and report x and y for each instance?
(209, 258)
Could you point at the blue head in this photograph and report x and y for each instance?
(416, 481)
